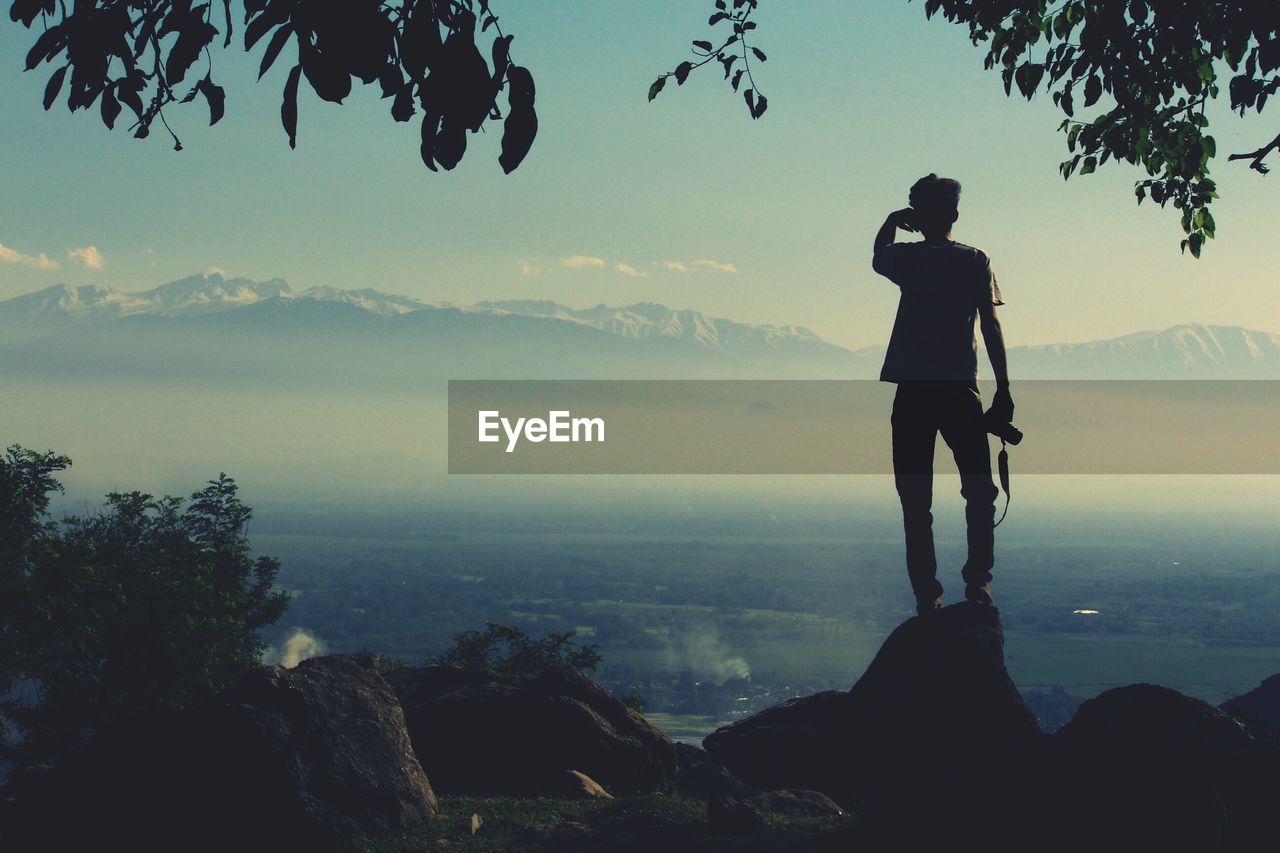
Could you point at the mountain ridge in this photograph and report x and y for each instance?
(544, 330)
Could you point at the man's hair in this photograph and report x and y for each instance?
(932, 194)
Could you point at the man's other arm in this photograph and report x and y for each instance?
(993, 336)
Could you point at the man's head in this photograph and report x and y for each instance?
(936, 202)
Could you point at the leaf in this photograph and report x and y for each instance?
(1195, 241)
(762, 103)
(186, 50)
(278, 39)
(737, 78)
(430, 124)
(682, 72)
(327, 77)
(759, 54)
(25, 11)
(216, 96)
(750, 97)
(519, 130)
(110, 108)
(258, 28)
(657, 87)
(226, 9)
(128, 96)
(704, 46)
(390, 80)
(1092, 90)
(402, 108)
(289, 106)
(54, 86)
(1090, 163)
(716, 18)
(48, 45)
(521, 124)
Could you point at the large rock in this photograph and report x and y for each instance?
(308, 758)
(330, 745)
(1259, 709)
(935, 713)
(700, 778)
(480, 732)
(1145, 767)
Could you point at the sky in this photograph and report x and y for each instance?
(863, 99)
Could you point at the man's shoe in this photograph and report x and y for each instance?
(980, 593)
(928, 608)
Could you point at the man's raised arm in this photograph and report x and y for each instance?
(880, 261)
(903, 219)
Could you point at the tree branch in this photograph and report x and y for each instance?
(1256, 156)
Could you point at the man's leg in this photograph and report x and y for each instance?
(963, 431)
(914, 436)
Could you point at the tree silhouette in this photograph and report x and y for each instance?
(505, 648)
(1150, 67)
(149, 604)
(425, 55)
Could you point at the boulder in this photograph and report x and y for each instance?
(328, 746)
(700, 778)
(1259, 709)
(1149, 721)
(611, 833)
(795, 801)
(725, 814)
(314, 757)
(485, 733)
(1145, 767)
(579, 786)
(934, 714)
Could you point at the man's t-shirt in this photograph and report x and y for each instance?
(942, 285)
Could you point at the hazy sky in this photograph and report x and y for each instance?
(864, 98)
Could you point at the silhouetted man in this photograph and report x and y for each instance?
(933, 358)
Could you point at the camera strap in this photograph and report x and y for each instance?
(1002, 463)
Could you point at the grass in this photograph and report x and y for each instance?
(506, 820)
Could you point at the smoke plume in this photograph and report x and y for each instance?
(299, 646)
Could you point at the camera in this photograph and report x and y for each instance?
(1003, 430)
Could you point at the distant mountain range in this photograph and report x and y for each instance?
(234, 328)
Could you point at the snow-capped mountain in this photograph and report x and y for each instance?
(205, 324)
(1187, 351)
(70, 305)
(62, 306)
(36, 314)
(648, 319)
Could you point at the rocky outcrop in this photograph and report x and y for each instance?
(700, 778)
(480, 732)
(576, 785)
(308, 758)
(326, 747)
(1259, 709)
(795, 801)
(935, 713)
(935, 748)
(1145, 767)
